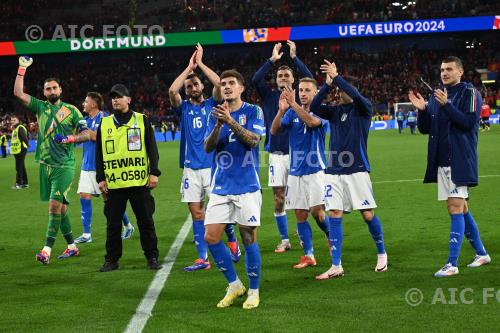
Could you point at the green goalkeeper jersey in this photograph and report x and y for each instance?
(64, 119)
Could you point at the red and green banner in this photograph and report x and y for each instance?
(255, 35)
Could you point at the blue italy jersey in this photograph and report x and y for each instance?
(307, 145)
(349, 129)
(88, 160)
(194, 120)
(237, 166)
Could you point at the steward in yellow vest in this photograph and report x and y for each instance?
(127, 170)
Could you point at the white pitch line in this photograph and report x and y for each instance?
(143, 311)
(405, 180)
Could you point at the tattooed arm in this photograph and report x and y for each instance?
(248, 138)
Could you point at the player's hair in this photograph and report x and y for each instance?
(284, 68)
(50, 79)
(309, 79)
(233, 73)
(97, 98)
(454, 59)
(192, 76)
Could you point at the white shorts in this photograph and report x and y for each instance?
(243, 209)
(446, 187)
(88, 183)
(279, 167)
(195, 185)
(349, 192)
(304, 192)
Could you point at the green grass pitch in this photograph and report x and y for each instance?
(71, 295)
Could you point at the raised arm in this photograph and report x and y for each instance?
(258, 80)
(209, 73)
(363, 104)
(173, 91)
(24, 63)
(303, 70)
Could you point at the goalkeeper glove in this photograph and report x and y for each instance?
(61, 139)
(24, 62)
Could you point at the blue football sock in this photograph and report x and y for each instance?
(305, 234)
(472, 234)
(282, 223)
(375, 228)
(231, 236)
(457, 229)
(324, 226)
(199, 239)
(86, 205)
(125, 219)
(222, 259)
(336, 236)
(253, 264)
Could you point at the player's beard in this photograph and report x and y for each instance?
(196, 96)
(53, 98)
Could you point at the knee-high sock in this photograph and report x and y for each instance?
(324, 226)
(472, 234)
(457, 228)
(86, 205)
(305, 234)
(336, 236)
(52, 229)
(231, 236)
(253, 265)
(222, 259)
(199, 239)
(66, 228)
(125, 220)
(282, 223)
(375, 228)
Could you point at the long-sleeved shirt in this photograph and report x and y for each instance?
(270, 97)
(452, 130)
(349, 126)
(149, 138)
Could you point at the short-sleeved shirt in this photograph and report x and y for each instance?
(88, 159)
(237, 166)
(194, 121)
(64, 119)
(307, 145)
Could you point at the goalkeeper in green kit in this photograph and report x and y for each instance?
(60, 125)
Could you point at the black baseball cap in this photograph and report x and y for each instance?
(119, 90)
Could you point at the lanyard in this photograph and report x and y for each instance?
(118, 124)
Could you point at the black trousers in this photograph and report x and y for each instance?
(143, 205)
(4, 151)
(21, 175)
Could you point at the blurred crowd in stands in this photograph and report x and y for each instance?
(384, 77)
(201, 15)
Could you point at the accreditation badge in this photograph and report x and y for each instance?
(134, 139)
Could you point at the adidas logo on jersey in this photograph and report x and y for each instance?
(365, 203)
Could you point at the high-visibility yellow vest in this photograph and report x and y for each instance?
(15, 142)
(3, 140)
(125, 157)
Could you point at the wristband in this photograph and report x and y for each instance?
(21, 70)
